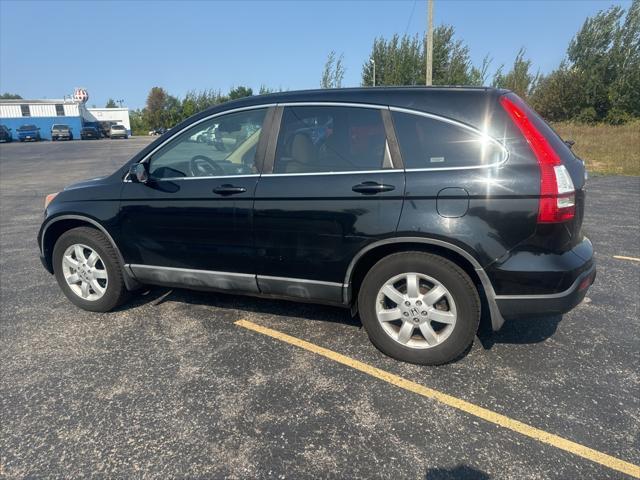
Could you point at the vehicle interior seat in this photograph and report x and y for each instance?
(303, 154)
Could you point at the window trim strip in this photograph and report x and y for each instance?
(274, 130)
(350, 172)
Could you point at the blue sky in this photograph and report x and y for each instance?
(121, 49)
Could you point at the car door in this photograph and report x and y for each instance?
(331, 185)
(191, 222)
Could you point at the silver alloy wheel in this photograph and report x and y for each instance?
(85, 272)
(416, 310)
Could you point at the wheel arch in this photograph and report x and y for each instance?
(374, 252)
(54, 228)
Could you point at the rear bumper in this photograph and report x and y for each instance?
(539, 305)
(543, 284)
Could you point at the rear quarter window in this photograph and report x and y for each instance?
(427, 143)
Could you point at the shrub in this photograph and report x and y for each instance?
(617, 116)
(587, 115)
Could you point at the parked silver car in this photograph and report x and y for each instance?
(61, 132)
(118, 131)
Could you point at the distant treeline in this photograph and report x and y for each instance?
(164, 110)
(599, 80)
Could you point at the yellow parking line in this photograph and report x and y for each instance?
(622, 257)
(467, 407)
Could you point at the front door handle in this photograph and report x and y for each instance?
(228, 189)
(371, 188)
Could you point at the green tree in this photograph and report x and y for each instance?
(478, 75)
(519, 79)
(401, 61)
(240, 92)
(138, 122)
(600, 79)
(111, 103)
(154, 110)
(590, 53)
(10, 96)
(171, 112)
(333, 71)
(624, 92)
(560, 95)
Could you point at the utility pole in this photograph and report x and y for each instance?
(429, 46)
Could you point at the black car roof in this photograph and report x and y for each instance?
(470, 105)
(467, 104)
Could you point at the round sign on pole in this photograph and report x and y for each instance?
(80, 95)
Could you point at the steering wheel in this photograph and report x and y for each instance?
(203, 166)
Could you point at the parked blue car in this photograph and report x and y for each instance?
(29, 133)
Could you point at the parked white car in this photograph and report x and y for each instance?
(118, 131)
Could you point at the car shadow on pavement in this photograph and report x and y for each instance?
(514, 331)
(459, 472)
(228, 301)
(519, 331)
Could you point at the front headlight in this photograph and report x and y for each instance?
(49, 198)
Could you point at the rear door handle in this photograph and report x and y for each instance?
(371, 188)
(228, 189)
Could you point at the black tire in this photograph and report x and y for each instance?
(452, 277)
(116, 292)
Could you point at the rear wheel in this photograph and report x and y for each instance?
(88, 271)
(419, 308)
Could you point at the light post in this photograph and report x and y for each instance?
(373, 62)
(429, 46)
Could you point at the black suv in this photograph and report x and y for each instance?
(419, 208)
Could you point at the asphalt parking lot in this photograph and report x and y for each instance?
(171, 386)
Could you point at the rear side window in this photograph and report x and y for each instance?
(319, 139)
(427, 142)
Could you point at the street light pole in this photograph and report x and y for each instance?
(429, 46)
(373, 62)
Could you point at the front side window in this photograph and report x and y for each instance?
(331, 139)
(427, 142)
(224, 145)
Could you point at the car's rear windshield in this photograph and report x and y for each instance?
(117, 127)
(60, 127)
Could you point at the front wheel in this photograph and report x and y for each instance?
(419, 308)
(87, 269)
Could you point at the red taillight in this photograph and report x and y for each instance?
(557, 195)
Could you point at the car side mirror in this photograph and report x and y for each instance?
(138, 173)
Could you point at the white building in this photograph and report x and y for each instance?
(113, 115)
(45, 113)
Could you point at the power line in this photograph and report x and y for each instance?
(413, 9)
